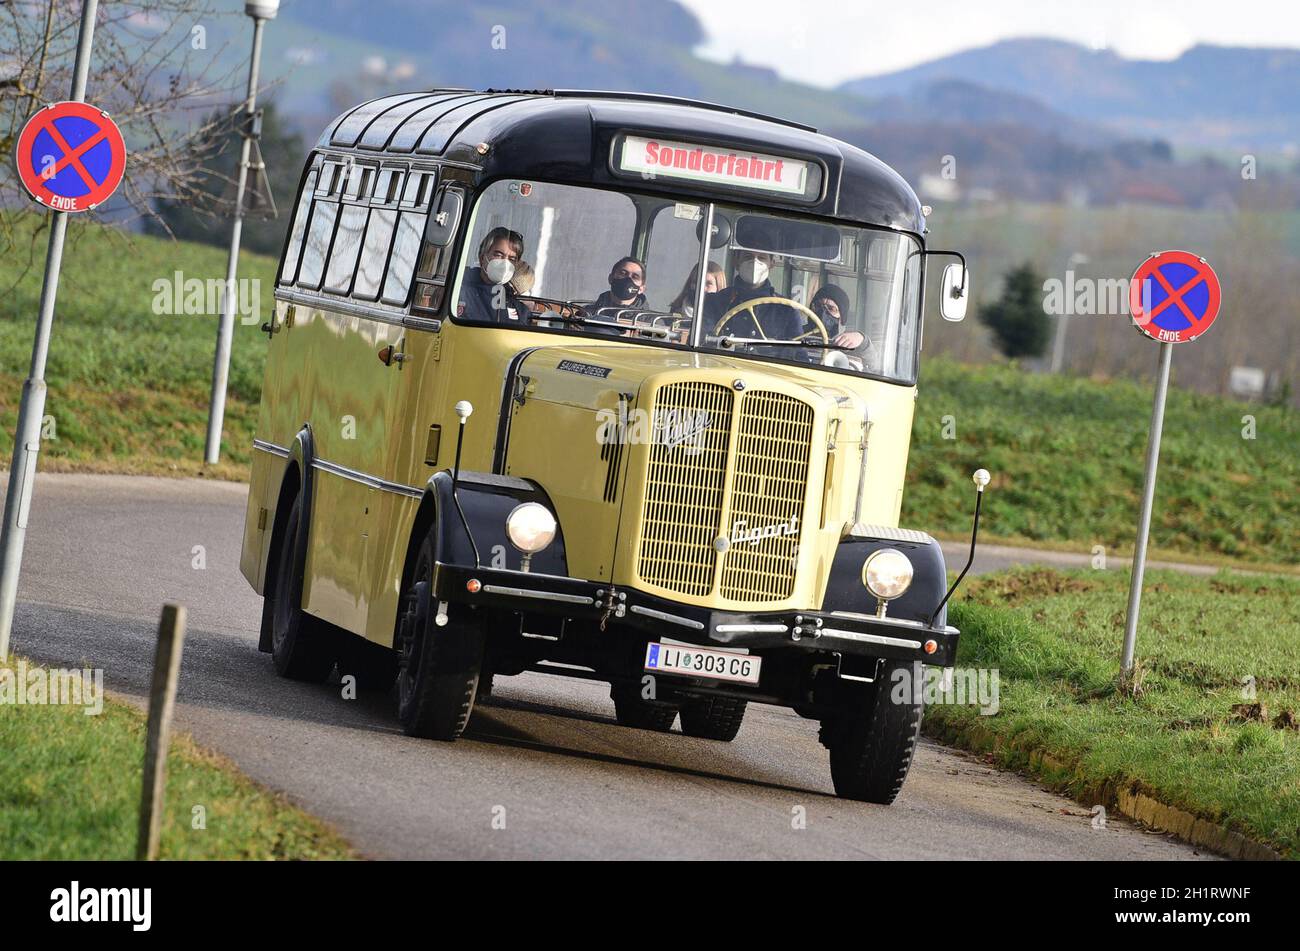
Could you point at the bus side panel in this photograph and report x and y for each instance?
(266, 470)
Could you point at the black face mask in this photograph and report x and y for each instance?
(624, 288)
(827, 318)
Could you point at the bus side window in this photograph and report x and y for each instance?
(416, 195)
(435, 255)
(294, 250)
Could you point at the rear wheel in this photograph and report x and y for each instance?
(630, 709)
(713, 718)
(302, 646)
(872, 733)
(440, 664)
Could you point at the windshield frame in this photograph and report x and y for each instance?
(465, 257)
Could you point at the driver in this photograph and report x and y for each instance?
(486, 294)
(831, 304)
(771, 320)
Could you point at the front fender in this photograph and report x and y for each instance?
(486, 501)
(845, 591)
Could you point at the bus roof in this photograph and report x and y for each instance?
(567, 136)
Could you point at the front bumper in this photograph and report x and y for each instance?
(837, 631)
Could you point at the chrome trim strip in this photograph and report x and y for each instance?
(374, 482)
(541, 595)
(665, 616)
(341, 305)
(271, 447)
(871, 638)
(752, 628)
(859, 530)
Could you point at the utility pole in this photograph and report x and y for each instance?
(260, 11)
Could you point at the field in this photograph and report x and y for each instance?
(1211, 724)
(70, 789)
(129, 390)
(128, 386)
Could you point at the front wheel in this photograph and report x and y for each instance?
(439, 666)
(872, 732)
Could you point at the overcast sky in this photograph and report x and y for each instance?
(827, 41)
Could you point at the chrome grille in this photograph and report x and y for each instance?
(684, 487)
(687, 501)
(767, 494)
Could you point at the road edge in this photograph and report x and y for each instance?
(1128, 799)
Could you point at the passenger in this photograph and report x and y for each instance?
(626, 286)
(774, 321)
(715, 279)
(831, 304)
(486, 294)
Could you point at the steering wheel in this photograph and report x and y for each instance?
(749, 306)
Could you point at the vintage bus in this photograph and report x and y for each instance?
(603, 385)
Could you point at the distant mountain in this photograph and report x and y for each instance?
(1210, 96)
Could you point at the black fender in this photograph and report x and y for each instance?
(486, 500)
(298, 479)
(845, 591)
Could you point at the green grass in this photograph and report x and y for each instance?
(70, 789)
(1067, 455)
(1189, 734)
(128, 387)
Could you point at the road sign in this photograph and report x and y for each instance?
(1174, 296)
(70, 156)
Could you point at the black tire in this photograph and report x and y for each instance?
(631, 710)
(439, 667)
(871, 737)
(373, 665)
(302, 646)
(713, 718)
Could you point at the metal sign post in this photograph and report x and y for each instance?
(1148, 498)
(260, 12)
(27, 437)
(1174, 297)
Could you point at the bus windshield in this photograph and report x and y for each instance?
(776, 287)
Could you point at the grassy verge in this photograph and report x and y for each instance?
(70, 789)
(1211, 724)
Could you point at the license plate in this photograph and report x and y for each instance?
(702, 662)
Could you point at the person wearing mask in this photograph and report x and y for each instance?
(715, 279)
(772, 321)
(626, 287)
(831, 304)
(486, 294)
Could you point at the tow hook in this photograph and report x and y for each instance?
(614, 603)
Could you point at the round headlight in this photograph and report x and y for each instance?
(887, 573)
(531, 527)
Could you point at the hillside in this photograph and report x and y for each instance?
(1208, 96)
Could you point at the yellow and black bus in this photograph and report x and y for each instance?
(602, 385)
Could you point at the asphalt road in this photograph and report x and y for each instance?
(545, 759)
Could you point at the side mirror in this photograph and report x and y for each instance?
(956, 292)
(444, 219)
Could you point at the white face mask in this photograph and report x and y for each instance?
(753, 271)
(499, 270)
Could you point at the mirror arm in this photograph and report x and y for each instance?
(964, 269)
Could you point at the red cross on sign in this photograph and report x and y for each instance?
(1174, 296)
(70, 156)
